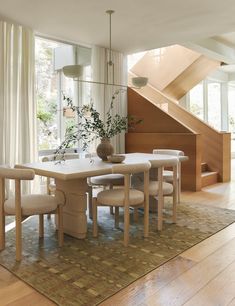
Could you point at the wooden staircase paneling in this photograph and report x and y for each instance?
(174, 70)
(187, 142)
(209, 178)
(204, 167)
(190, 77)
(216, 146)
(155, 120)
(161, 69)
(168, 129)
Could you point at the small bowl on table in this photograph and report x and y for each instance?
(116, 158)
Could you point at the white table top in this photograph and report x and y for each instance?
(82, 168)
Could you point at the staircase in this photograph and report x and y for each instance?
(172, 73)
(208, 177)
(166, 125)
(175, 70)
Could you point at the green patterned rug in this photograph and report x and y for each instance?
(87, 272)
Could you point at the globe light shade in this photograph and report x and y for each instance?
(139, 81)
(73, 71)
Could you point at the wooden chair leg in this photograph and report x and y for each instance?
(136, 214)
(175, 195)
(111, 207)
(60, 226)
(111, 210)
(2, 214)
(18, 238)
(146, 218)
(179, 183)
(116, 217)
(178, 190)
(94, 215)
(18, 219)
(175, 192)
(2, 232)
(159, 212)
(126, 225)
(90, 202)
(41, 226)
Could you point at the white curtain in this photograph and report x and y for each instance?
(17, 104)
(102, 94)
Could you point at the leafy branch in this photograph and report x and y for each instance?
(90, 126)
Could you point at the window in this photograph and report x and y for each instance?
(46, 94)
(214, 105)
(231, 117)
(196, 101)
(50, 58)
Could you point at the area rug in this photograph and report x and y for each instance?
(86, 272)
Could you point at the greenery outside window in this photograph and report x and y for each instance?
(51, 84)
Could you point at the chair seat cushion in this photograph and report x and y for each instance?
(115, 197)
(154, 186)
(108, 179)
(35, 204)
(168, 175)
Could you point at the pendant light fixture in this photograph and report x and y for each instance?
(76, 71)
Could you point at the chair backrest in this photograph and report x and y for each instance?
(16, 174)
(131, 168)
(168, 152)
(65, 156)
(166, 162)
(127, 170)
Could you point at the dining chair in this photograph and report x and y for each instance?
(158, 189)
(107, 181)
(125, 197)
(23, 206)
(168, 174)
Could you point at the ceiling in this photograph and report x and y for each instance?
(137, 25)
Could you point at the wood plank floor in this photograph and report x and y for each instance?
(203, 275)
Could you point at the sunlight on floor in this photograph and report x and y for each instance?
(12, 225)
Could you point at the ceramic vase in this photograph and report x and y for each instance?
(104, 149)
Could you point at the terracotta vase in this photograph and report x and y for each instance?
(104, 149)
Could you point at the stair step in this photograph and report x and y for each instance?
(209, 178)
(204, 167)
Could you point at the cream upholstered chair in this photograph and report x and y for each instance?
(26, 205)
(168, 174)
(159, 189)
(107, 181)
(125, 197)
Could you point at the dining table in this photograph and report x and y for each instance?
(71, 178)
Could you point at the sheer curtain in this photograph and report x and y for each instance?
(17, 104)
(102, 94)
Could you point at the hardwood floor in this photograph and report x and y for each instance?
(202, 276)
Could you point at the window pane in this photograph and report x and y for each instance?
(214, 105)
(53, 119)
(231, 112)
(196, 100)
(46, 94)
